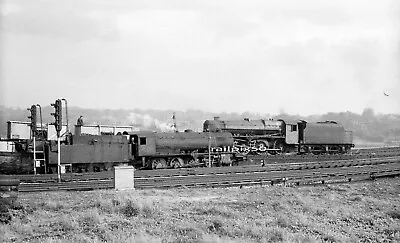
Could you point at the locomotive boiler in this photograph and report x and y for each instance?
(246, 127)
(259, 136)
(176, 149)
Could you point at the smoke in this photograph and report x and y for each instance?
(149, 122)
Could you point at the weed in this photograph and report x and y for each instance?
(89, 220)
(355, 199)
(212, 238)
(25, 230)
(321, 212)
(274, 235)
(54, 206)
(277, 206)
(253, 233)
(64, 224)
(104, 205)
(215, 226)
(5, 215)
(187, 232)
(150, 211)
(130, 209)
(216, 211)
(92, 226)
(119, 224)
(115, 202)
(283, 221)
(143, 238)
(394, 214)
(329, 238)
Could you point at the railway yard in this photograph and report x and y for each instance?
(362, 164)
(287, 197)
(237, 181)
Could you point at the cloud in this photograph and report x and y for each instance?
(60, 20)
(304, 57)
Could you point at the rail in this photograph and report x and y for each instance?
(291, 173)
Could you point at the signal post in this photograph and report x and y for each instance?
(58, 126)
(33, 125)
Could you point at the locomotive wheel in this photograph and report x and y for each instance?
(177, 162)
(158, 163)
(243, 149)
(189, 161)
(279, 145)
(262, 147)
(244, 152)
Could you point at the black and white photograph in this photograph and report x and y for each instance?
(199, 121)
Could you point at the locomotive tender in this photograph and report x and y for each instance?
(279, 136)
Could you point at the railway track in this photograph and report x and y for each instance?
(362, 153)
(251, 176)
(265, 168)
(289, 173)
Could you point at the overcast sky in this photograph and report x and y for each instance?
(268, 56)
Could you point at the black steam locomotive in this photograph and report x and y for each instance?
(279, 136)
(98, 148)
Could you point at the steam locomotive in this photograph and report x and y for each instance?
(280, 136)
(145, 149)
(97, 148)
(93, 149)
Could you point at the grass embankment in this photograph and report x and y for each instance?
(359, 212)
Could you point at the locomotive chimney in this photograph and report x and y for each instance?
(216, 118)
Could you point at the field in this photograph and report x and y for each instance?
(357, 212)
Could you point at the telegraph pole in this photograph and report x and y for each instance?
(58, 125)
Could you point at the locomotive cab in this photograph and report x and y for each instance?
(291, 132)
(142, 144)
(213, 125)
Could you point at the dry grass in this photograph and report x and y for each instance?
(359, 212)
